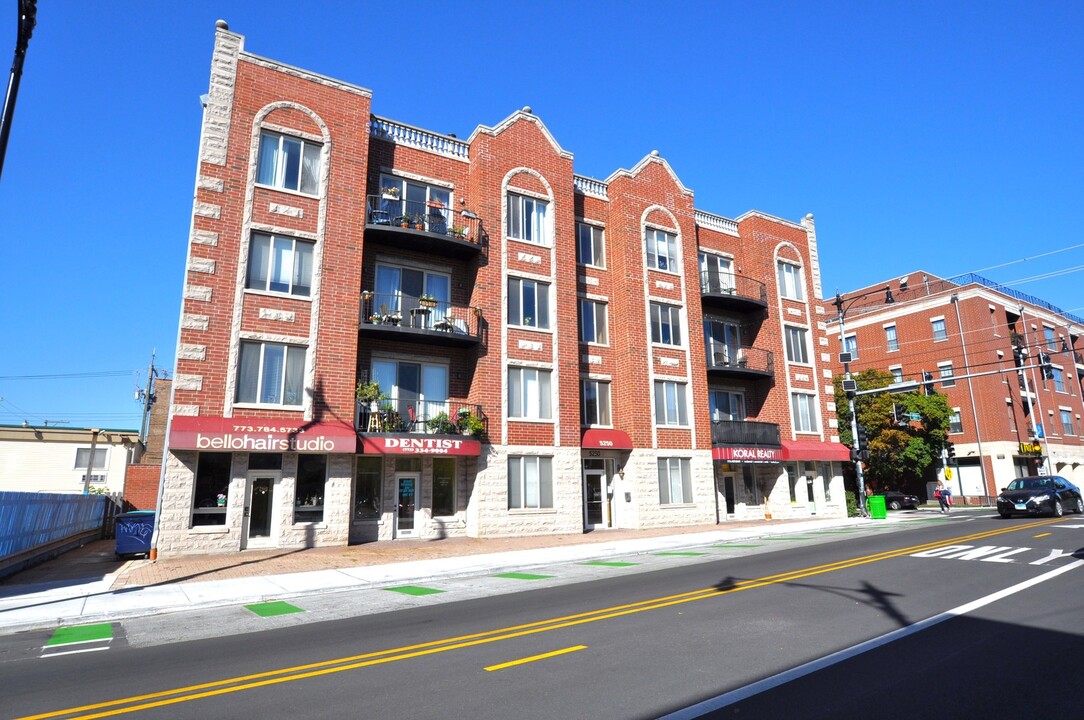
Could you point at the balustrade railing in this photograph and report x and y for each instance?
(713, 282)
(411, 136)
(400, 413)
(393, 211)
(744, 358)
(741, 432)
(397, 309)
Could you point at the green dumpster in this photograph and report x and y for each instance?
(877, 507)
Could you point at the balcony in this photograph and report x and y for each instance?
(741, 362)
(745, 434)
(732, 292)
(429, 227)
(401, 415)
(394, 316)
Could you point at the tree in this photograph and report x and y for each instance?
(899, 455)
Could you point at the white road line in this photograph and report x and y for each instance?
(743, 693)
(47, 654)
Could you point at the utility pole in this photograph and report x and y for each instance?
(28, 12)
(148, 397)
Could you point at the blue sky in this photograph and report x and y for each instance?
(942, 136)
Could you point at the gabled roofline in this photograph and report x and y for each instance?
(524, 114)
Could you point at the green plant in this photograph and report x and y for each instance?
(369, 392)
(441, 424)
(470, 424)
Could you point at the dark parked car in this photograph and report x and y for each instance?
(899, 501)
(1040, 494)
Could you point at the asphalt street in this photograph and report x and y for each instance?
(941, 613)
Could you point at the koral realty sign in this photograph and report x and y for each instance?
(409, 445)
(747, 454)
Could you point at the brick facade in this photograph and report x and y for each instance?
(505, 322)
(993, 408)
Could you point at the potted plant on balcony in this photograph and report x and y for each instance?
(369, 394)
(441, 424)
(419, 222)
(469, 423)
(459, 232)
(427, 301)
(390, 193)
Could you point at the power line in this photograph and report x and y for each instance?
(1033, 257)
(69, 376)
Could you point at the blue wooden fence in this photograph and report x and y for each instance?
(29, 520)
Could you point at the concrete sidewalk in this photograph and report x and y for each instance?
(73, 590)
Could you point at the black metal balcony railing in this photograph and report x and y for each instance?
(731, 286)
(388, 211)
(746, 359)
(410, 415)
(405, 312)
(741, 432)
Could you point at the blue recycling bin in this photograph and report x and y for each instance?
(133, 531)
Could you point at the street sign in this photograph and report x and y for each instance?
(1039, 431)
(915, 416)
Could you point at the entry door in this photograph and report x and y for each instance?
(725, 487)
(596, 506)
(406, 504)
(811, 502)
(260, 522)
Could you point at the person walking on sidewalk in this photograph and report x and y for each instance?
(944, 496)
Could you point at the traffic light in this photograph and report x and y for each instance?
(900, 416)
(1047, 368)
(950, 452)
(927, 383)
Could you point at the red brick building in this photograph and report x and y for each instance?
(553, 352)
(1010, 418)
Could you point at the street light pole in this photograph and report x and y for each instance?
(854, 416)
(850, 388)
(974, 409)
(28, 11)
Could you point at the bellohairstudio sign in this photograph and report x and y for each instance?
(265, 435)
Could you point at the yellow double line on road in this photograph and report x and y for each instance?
(326, 667)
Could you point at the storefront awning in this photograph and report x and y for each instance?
(219, 434)
(418, 445)
(606, 439)
(814, 450)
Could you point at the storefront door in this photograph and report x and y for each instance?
(724, 486)
(406, 497)
(260, 523)
(596, 496)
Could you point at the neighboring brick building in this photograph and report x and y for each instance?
(969, 325)
(632, 361)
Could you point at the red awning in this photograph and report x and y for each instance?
(814, 450)
(189, 432)
(418, 445)
(606, 439)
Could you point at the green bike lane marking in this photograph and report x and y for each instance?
(609, 563)
(81, 634)
(273, 608)
(522, 576)
(415, 590)
(680, 553)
